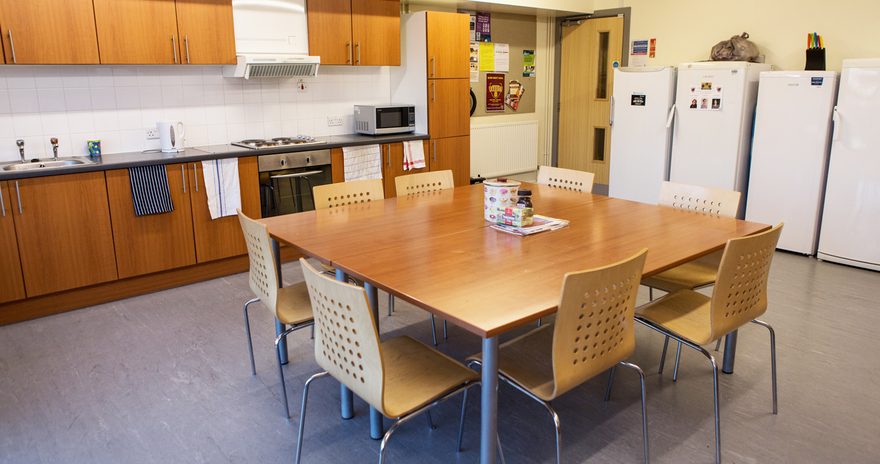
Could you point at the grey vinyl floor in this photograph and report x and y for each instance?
(164, 378)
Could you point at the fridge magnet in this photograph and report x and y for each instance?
(483, 27)
(693, 103)
(494, 92)
(716, 104)
(515, 91)
(652, 48)
(638, 99)
(475, 62)
(528, 63)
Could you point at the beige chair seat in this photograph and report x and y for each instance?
(694, 274)
(415, 375)
(685, 312)
(294, 306)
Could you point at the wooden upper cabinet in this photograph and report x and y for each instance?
(222, 237)
(449, 104)
(11, 282)
(137, 31)
(63, 230)
(158, 242)
(206, 32)
(375, 30)
(48, 31)
(330, 31)
(448, 45)
(452, 153)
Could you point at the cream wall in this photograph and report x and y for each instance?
(687, 29)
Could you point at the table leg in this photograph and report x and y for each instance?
(729, 353)
(346, 398)
(377, 429)
(489, 401)
(279, 327)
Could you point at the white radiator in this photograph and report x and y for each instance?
(504, 149)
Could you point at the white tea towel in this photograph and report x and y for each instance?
(221, 187)
(413, 155)
(364, 162)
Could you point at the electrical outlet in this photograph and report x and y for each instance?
(152, 133)
(333, 121)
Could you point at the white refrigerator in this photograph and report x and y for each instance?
(790, 154)
(850, 231)
(642, 112)
(715, 105)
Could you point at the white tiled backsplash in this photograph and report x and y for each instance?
(116, 104)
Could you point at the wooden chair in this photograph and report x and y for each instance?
(290, 305)
(740, 296)
(400, 377)
(569, 179)
(593, 332)
(413, 184)
(347, 193)
(700, 272)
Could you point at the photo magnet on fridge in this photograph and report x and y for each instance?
(637, 99)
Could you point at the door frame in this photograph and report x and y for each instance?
(557, 73)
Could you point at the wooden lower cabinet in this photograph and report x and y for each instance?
(11, 282)
(451, 153)
(158, 242)
(392, 159)
(63, 228)
(222, 237)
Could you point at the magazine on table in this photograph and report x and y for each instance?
(539, 224)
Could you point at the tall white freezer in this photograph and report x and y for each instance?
(641, 136)
(850, 231)
(790, 154)
(715, 102)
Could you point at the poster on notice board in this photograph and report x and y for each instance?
(494, 92)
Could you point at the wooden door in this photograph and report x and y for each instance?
(392, 159)
(63, 229)
(452, 153)
(375, 30)
(330, 31)
(585, 88)
(137, 31)
(448, 45)
(48, 31)
(11, 282)
(153, 243)
(449, 106)
(222, 237)
(206, 33)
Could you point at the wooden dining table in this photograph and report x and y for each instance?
(436, 251)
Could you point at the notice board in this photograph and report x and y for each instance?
(519, 32)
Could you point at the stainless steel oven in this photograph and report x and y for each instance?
(287, 180)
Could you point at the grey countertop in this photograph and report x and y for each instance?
(128, 160)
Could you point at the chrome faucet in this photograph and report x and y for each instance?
(54, 142)
(20, 144)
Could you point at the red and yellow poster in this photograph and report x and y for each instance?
(494, 92)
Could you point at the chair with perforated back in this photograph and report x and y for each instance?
(593, 332)
(414, 184)
(347, 193)
(399, 377)
(739, 297)
(700, 272)
(569, 179)
(289, 305)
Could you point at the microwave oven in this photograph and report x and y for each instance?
(386, 119)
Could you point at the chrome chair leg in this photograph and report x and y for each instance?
(716, 401)
(431, 425)
(445, 332)
(677, 362)
(663, 354)
(610, 382)
(461, 422)
(772, 359)
(718, 344)
(650, 293)
(644, 404)
(278, 339)
(390, 304)
(433, 329)
(302, 415)
(247, 331)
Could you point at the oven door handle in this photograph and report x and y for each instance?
(295, 174)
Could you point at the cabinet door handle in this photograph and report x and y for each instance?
(18, 194)
(183, 177)
(12, 46)
(186, 46)
(196, 175)
(174, 47)
(434, 142)
(433, 66)
(358, 46)
(348, 47)
(2, 203)
(388, 154)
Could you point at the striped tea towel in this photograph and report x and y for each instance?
(364, 162)
(222, 187)
(413, 155)
(149, 190)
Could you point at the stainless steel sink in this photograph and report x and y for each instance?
(47, 164)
